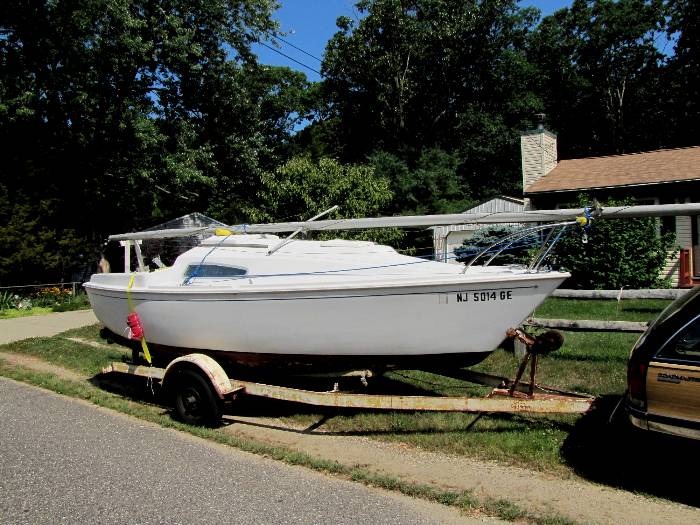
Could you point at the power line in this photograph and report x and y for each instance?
(290, 58)
(295, 47)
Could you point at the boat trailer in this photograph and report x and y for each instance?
(200, 387)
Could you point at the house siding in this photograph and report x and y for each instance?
(684, 237)
(671, 268)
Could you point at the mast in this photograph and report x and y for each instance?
(426, 221)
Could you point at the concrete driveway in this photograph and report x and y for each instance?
(43, 325)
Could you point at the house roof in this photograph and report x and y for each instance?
(500, 203)
(635, 169)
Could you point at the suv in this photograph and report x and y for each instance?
(663, 373)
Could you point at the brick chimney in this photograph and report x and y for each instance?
(538, 149)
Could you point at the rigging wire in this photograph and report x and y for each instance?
(422, 259)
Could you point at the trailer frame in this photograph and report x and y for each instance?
(200, 388)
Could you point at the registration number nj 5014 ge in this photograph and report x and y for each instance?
(485, 296)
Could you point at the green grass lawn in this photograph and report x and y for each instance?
(588, 362)
(12, 313)
(624, 310)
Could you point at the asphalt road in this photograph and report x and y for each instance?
(64, 461)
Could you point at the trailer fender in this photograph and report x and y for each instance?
(207, 366)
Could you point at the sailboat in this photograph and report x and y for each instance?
(248, 296)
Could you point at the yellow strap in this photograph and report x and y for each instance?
(128, 293)
(132, 308)
(146, 353)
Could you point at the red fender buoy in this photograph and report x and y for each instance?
(134, 324)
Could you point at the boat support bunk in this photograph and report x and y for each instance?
(199, 388)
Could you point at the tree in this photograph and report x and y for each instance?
(684, 72)
(301, 188)
(432, 186)
(425, 74)
(116, 113)
(601, 76)
(33, 244)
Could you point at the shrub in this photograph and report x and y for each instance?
(78, 302)
(7, 300)
(619, 253)
(52, 296)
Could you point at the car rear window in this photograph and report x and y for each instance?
(684, 345)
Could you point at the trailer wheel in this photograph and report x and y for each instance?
(195, 402)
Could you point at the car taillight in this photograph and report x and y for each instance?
(636, 381)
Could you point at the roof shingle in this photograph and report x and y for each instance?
(653, 167)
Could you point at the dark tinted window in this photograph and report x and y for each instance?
(689, 341)
(214, 270)
(686, 344)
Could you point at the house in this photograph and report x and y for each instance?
(447, 238)
(664, 176)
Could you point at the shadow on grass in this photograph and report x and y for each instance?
(132, 388)
(271, 408)
(139, 390)
(618, 454)
(588, 358)
(642, 310)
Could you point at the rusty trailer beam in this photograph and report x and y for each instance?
(152, 372)
(588, 325)
(497, 402)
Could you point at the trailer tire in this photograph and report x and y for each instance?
(195, 401)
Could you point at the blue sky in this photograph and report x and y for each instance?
(309, 24)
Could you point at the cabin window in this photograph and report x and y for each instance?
(215, 271)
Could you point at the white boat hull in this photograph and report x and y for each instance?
(402, 320)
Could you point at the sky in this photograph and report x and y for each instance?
(309, 25)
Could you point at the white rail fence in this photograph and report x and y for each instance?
(660, 293)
